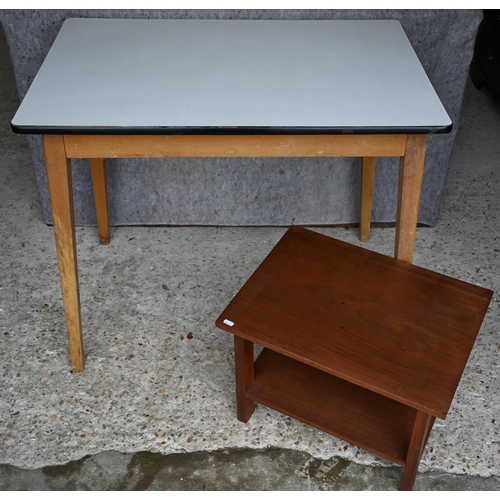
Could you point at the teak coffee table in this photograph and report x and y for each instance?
(360, 345)
(123, 88)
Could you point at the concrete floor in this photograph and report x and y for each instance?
(154, 409)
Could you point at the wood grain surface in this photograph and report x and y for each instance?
(389, 326)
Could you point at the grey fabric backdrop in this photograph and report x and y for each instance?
(255, 191)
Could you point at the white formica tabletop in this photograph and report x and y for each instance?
(128, 76)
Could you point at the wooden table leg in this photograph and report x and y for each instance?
(411, 172)
(367, 182)
(431, 424)
(244, 368)
(98, 167)
(421, 430)
(61, 197)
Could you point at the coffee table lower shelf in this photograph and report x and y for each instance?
(361, 417)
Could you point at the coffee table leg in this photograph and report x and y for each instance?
(244, 368)
(421, 430)
(367, 181)
(61, 197)
(411, 171)
(98, 168)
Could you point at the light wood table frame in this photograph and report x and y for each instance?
(133, 88)
(60, 149)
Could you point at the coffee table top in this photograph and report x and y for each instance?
(231, 76)
(392, 327)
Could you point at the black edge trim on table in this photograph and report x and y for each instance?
(226, 130)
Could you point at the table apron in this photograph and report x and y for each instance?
(233, 146)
